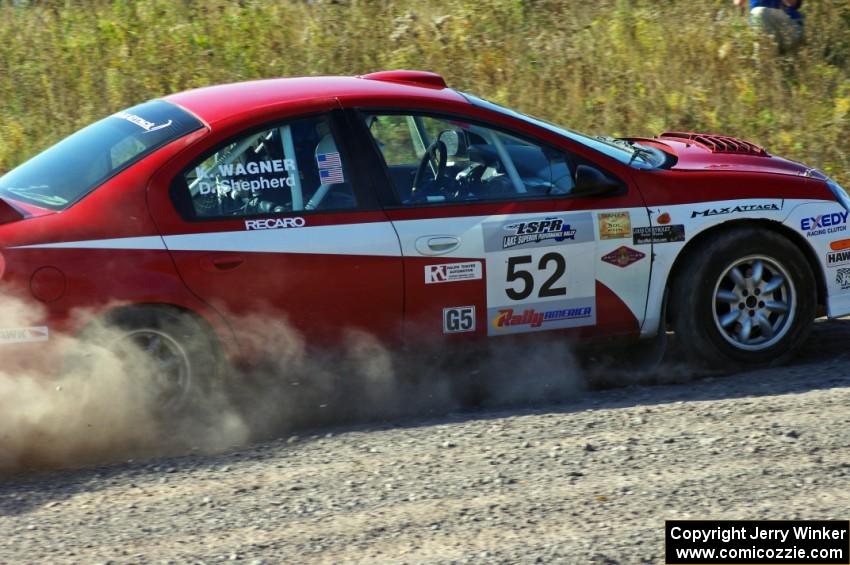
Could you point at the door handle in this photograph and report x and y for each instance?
(437, 244)
(221, 263)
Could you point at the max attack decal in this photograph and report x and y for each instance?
(835, 258)
(275, 224)
(458, 319)
(24, 335)
(824, 224)
(623, 256)
(733, 209)
(842, 278)
(615, 225)
(451, 272)
(659, 234)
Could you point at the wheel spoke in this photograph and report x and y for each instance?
(729, 318)
(775, 306)
(724, 295)
(738, 277)
(154, 344)
(764, 324)
(758, 272)
(773, 284)
(746, 329)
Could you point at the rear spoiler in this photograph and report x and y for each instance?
(9, 213)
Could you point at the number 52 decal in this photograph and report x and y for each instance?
(548, 288)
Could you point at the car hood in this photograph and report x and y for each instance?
(707, 152)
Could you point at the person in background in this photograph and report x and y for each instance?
(780, 18)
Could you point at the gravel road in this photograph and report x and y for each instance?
(587, 481)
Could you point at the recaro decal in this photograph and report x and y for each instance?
(614, 225)
(275, 223)
(824, 224)
(734, 209)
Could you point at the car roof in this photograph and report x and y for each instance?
(395, 88)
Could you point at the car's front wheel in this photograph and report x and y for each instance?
(745, 298)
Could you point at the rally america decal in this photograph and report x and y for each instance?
(659, 234)
(540, 272)
(24, 335)
(452, 272)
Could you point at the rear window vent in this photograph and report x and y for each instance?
(715, 143)
(419, 78)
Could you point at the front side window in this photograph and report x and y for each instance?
(433, 159)
(63, 174)
(291, 167)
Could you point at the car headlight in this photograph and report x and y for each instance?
(839, 193)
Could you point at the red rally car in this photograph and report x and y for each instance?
(392, 204)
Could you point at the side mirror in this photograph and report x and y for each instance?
(591, 180)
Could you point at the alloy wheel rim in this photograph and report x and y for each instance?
(754, 303)
(172, 375)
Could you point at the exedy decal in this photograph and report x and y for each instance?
(824, 224)
(734, 209)
(536, 231)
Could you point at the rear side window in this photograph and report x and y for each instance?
(292, 167)
(63, 174)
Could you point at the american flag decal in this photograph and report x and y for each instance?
(331, 176)
(328, 160)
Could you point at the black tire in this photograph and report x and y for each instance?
(179, 334)
(707, 294)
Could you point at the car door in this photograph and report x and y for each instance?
(272, 227)
(504, 234)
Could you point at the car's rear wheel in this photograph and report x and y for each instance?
(745, 298)
(172, 351)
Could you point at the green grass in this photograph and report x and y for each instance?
(609, 66)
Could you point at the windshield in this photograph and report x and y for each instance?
(626, 152)
(63, 174)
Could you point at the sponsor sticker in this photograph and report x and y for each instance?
(836, 258)
(659, 234)
(842, 278)
(451, 272)
(458, 319)
(824, 224)
(735, 209)
(663, 219)
(24, 335)
(275, 223)
(551, 315)
(538, 232)
(141, 122)
(623, 256)
(615, 225)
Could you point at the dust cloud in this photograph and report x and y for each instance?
(106, 405)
